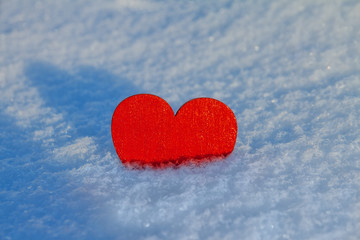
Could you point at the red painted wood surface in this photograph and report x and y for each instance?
(146, 132)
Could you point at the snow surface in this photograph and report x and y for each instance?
(290, 70)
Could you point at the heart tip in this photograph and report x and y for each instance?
(197, 161)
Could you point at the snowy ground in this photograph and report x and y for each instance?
(289, 70)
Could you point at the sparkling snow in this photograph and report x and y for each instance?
(290, 70)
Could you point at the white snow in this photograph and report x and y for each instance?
(288, 69)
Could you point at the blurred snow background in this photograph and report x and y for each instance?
(289, 70)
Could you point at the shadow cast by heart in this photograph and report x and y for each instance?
(86, 98)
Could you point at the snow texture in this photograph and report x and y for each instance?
(290, 70)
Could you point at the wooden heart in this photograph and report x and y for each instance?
(146, 132)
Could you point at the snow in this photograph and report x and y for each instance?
(288, 69)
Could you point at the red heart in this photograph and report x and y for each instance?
(146, 132)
